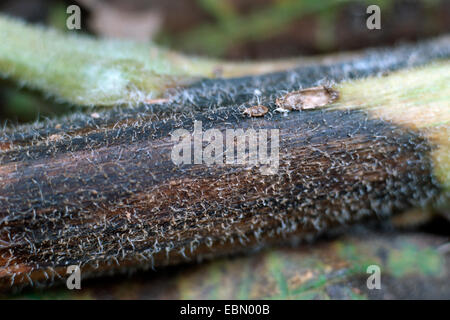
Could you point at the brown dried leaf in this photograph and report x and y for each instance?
(309, 98)
(256, 111)
(118, 20)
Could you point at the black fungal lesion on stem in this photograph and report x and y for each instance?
(102, 192)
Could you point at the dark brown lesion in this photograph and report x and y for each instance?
(120, 202)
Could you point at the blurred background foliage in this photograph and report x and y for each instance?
(226, 29)
(414, 265)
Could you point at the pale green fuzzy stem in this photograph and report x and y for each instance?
(415, 98)
(87, 71)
